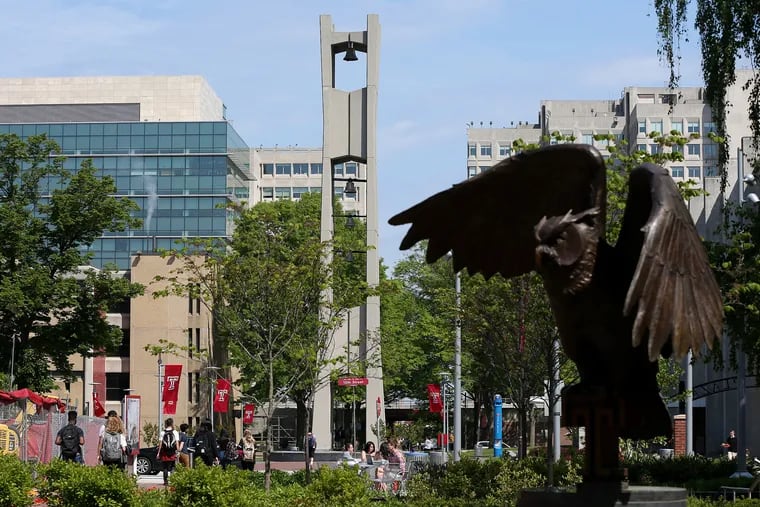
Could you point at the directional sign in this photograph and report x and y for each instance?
(353, 381)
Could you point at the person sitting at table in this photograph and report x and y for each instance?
(396, 455)
(348, 455)
(384, 454)
(368, 452)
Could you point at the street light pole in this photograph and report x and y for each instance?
(211, 383)
(458, 371)
(160, 393)
(741, 394)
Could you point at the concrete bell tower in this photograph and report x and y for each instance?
(350, 135)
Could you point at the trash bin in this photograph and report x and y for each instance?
(666, 453)
(438, 458)
(483, 444)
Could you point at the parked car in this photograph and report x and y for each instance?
(147, 461)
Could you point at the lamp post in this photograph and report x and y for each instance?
(160, 392)
(741, 394)
(444, 394)
(458, 371)
(211, 382)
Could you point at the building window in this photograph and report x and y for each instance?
(267, 169)
(282, 192)
(654, 149)
(587, 139)
(316, 168)
(197, 387)
(472, 150)
(710, 150)
(642, 127)
(338, 170)
(656, 126)
(646, 98)
(315, 190)
(602, 143)
(299, 191)
(641, 147)
(484, 168)
(694, 171)
(676, 171)
(116, 386)
(676, 126)
(190, 387)
(693, 150)
(267, 193)
(505, 150)
(351, 168)
(300, 169)
(707, 128)
(711, 171)
(485, 150)
(282, 169)
(693, 127)
(471, 171)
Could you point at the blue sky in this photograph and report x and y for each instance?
(443, 63)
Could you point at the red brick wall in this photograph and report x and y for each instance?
(679, 432)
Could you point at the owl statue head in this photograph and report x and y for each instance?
(566, 250)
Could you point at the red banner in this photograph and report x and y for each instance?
(434, 397)
(248, 410)
(172, 374)
(222, 396)
(97, 408)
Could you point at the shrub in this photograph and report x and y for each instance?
(65, 483)
(203, 486)
(338, 487)
(514, 477)
(704, 502)
(153, 498)
(15, 482)
(678, 471)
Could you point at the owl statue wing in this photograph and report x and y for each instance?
(673, 291)
(488, 221)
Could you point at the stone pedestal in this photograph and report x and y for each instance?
(605, 495)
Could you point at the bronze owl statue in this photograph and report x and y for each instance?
(617, 308)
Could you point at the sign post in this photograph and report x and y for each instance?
(497, 426)
(352, 381)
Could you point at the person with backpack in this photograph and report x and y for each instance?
(71, 439)
(112, 450)
(205, 445)
(184, 443)
(247, 445)
(168, 448)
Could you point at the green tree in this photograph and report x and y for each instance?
(276, 317)
(736, 263)
(417, 308)
(728, 32)
(51, 304)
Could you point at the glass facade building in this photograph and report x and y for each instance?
(181, 175)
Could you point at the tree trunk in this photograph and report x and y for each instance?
(268, 451)
(523, 414)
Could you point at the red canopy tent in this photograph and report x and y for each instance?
(33, 437)
(46, 402)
